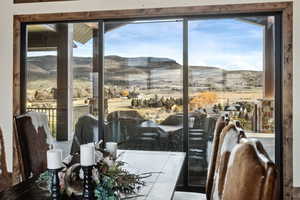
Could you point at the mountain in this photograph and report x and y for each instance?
(148, 72)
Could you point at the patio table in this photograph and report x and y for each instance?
(167, 129)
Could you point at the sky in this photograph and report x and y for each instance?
(225, 43)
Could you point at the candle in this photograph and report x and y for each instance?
(112, 148)
(54, 158)
(87, 155)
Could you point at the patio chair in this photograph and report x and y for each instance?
(122, 127)
(176, 119)
(198, 143)
(206, 124)
(86, 131)
(5, 177)
(148, 138)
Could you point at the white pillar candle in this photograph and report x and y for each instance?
(112, 148)
(87, 155)
(54, 158)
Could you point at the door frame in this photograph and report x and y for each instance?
(285, 8)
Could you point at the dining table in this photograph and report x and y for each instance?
(164, 167)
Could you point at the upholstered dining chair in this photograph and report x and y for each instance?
(229, 138)
(251, 175)
(5, 178)
(34, 135)
(221, 123)
(225, 138)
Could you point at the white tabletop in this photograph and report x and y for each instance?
(159, 186)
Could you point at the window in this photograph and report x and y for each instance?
(156, 84)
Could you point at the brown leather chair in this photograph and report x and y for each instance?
(251, 175)
(5, 177)
(33, 142)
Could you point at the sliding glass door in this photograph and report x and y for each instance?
(157, 84)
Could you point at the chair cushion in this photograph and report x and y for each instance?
(189, 196)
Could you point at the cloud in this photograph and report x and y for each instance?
(224, 43)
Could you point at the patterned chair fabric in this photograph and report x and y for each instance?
(243, 169)
(251, 175)
(229, 138)
(221, 123)
(5, 179)
(34, 137)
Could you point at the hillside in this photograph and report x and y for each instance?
(162, 72)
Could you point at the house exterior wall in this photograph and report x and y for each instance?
(8, 9)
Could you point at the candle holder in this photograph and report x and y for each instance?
(55, 188)
(88, 190)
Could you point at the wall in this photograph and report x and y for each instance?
(296, 89)
(8, 9)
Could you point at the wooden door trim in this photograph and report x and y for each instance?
(38, 1)
(286, 8)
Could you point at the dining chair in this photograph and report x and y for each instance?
(226, 136)
(220, 124)
(5, 177)
(251, 174)
(33, 133)
(229, 138)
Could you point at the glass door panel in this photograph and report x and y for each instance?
(143, 84)
(231, 70)
(60, 78)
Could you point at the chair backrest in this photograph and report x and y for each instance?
(229, 138)
(86, 131)
(251, 175)
(212, 126)
(200, 120)
(3, 167)
(33, 129)
(221, 123)
(5, 176)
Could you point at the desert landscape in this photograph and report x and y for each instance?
(151, 86)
